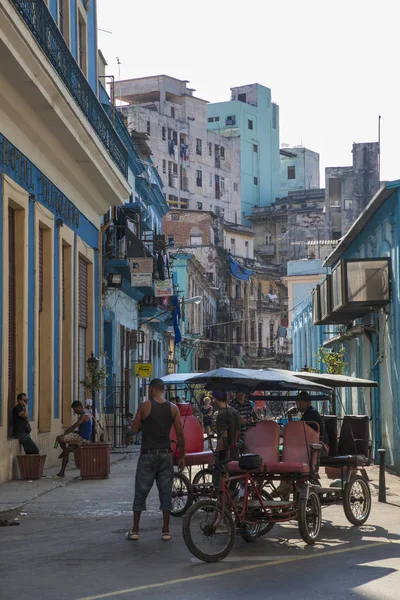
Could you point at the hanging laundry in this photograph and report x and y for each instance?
(171, 147)
(176, 153)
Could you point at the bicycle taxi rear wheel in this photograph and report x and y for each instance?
(208, 531)
(182, 495)
(256, 530)
(357, 500)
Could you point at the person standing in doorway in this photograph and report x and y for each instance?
(155, 418)
(21, 426)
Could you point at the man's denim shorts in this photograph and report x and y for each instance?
(152, 468)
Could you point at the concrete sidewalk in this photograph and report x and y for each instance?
(18, 492)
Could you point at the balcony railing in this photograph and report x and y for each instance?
(45, 31)
(267, 305)
(268, 249)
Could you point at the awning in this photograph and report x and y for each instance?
(331, 380)
(176, 378)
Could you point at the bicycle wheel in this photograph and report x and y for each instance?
(182, 495)
(309, 517)
(357, 500)
(208, 532)
(204, 476)
(253, 531)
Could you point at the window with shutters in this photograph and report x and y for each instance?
(83, 293)
(45, 284)
(63, 283)
(12, 321)
(82, 322)
(41, 234)
(68, 379)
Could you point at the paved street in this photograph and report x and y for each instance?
(70, 545)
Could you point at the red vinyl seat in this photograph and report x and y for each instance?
(233, 467)
(297, 451)
(263, 439)
(194, 440)
(287, 467)
(198, 458)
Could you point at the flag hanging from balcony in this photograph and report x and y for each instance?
(176, 320)
(238, 271)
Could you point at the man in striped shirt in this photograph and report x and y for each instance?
(243, 406)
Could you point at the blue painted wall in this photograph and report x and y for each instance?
(25, 173)
(379, 360)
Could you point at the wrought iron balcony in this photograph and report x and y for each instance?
(267, 305)
(45, 31)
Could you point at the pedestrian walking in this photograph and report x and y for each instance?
(21, 426)
(155, 418)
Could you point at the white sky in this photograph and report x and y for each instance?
(331, 66)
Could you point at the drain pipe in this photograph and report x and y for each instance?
(376, 358)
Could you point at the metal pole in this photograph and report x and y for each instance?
(382, 480)
(230, 308)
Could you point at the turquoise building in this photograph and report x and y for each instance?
(254, 118)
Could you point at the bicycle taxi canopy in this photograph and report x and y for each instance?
(251, 380)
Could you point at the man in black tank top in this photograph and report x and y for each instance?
(155, 418)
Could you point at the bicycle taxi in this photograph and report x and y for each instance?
(210, 524)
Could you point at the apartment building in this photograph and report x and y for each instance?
(200, 169)
(62, 164)
(252, 119)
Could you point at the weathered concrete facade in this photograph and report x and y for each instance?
(349, 189)
(285, 230)
(299, 170)
(200, 169)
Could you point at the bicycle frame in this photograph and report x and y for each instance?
(240, 515)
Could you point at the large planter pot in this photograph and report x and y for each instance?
(94, 461)
(77, 458)
(31, 465)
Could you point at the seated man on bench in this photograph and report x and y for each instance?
(70, 440)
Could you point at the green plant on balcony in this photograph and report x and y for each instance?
(334, 362)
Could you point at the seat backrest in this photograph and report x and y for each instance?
(330, 422)
(297, 440)
(193, 434)
(185, 408)
(263, 439)
(354, 435)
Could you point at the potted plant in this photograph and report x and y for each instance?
(93, 459)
